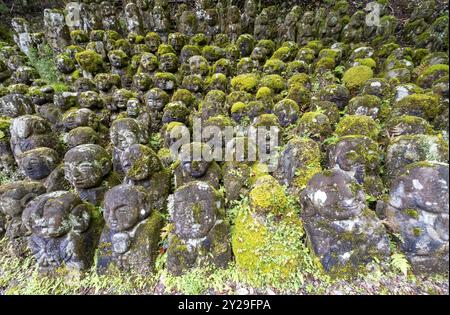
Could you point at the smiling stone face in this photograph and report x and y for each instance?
(38, 163)
(86, 165)
(125, 206)
(125, 132)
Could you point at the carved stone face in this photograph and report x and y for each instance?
(133, 107)
(82, 117)
(168, 63)
(149, 62)
(86, 165)
(125, 132)
(198, 65)
(334, 195)
(156, 99)
(121, 97)
(29, 132)
(38, 163)
(195, 209)
(140, 162)
(189, 152)
(118, 59)
(260, 53)
(125, 206)
(15, 196)
(308, 18)
(142, 81)
(55, 214)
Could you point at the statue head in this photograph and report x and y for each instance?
(125, 206)
(15, 196)
(125, 132)
(55, 214)
(86, 165)
(195, 158)
(140, 162)
(38, 163)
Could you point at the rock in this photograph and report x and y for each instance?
(417, 209)
(344, 234)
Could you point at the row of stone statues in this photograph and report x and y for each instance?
(96, 182)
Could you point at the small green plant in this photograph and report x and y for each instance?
(44, 63)
(400, 263)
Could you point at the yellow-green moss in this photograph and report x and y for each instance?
(90, 61)
(413, 213)
(358, 125)
(423, 105)
(274, 82)
(238, 107)
(355, 77)
(268, 197)
(245, 82)
(369, 62)
(165, 49)
(266, 248)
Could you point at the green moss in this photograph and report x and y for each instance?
(239, 107)
(417, 231)
(423, 105)
(165, 49)
(264, 92)
(300, 78)
(431, 74)
(90, 61)
(355, 77)
(267, 249)
(165, 76)
(358, 125)
(325, 63)
(268, 197)
(274, 82)
(274, 66)
(79, 36)
(329, 53)
(212, 53)
(247, 82)
(413, 213)
(315, 45)
(282, 53)
(369, 62)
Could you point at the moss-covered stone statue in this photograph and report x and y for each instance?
(200, 235)
(130, 239)
(64, 231)
(88, 168)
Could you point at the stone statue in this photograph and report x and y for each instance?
(129, 240)
(64, 231)
(87, 167)
(198, 226)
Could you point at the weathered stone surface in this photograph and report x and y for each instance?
(417, 209)
(200, 235)
(129, 240)
(344, 234)
(64, 231)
